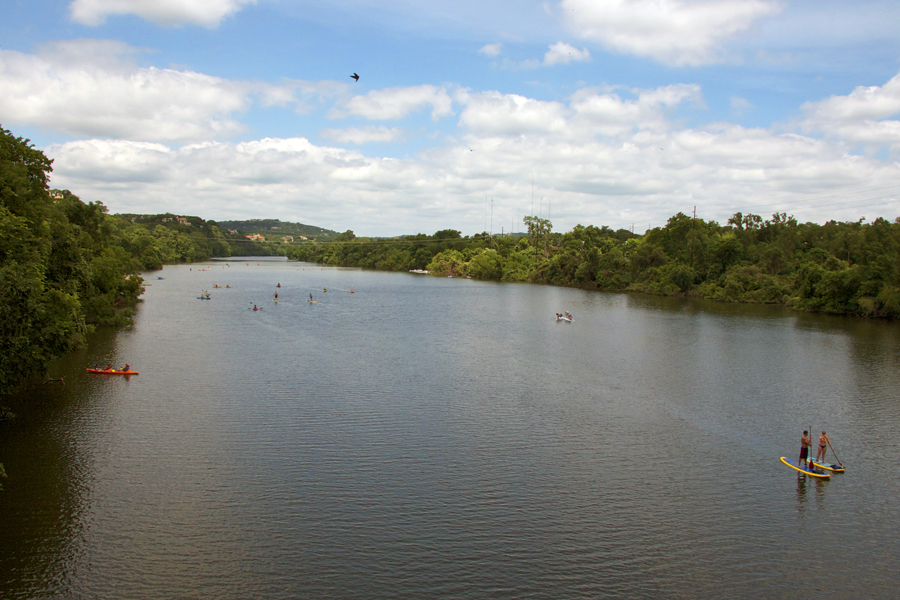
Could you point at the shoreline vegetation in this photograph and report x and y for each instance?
(67, 267)
(842, 268)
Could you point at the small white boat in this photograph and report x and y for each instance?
(566, 319)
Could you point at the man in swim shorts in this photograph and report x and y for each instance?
(823, 445)
(804, 449)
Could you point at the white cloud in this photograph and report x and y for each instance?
(397, 103)
(608, 114)
(492, 113)
(861, 117)
(491, 49)
(363, 135)
(674, 32)
(611, 155)
(92, 88)
(562, 53)
(206, 13)
(639, 175)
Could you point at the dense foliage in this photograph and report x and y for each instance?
(64, 266)
(158, 240)
(842, 268)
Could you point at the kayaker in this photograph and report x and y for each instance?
(823, 446)
(276, 295)
(310, 296)
(804, 448)
(127, 367)
(108, 368)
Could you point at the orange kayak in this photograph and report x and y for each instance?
(111, 372)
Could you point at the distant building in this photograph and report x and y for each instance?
(166, 219)
(234, 231)
(287, 238)
(255, 237)
(183, 221)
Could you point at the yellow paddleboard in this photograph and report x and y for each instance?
(821, 475)
(829, 466)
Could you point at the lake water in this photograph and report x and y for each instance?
(444, 438)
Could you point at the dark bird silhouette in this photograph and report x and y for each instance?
(355, 76)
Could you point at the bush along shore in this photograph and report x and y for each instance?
(847, 268)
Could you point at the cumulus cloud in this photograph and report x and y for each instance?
(611, 155)
(491, 49)
(641, 174)
(608, 114)
(396, 103)
(493, 113)
(363, 135)
(206, 13)
(861, 117)
(562, 53)
(674, 32)
(93, 88)
(290, 177)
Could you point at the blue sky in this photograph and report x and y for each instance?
(621, 112)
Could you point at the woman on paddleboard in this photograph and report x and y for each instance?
(804, 449)
(823, 445)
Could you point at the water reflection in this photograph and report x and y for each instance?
(819, 487)
(429, 437)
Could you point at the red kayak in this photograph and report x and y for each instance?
(112, 372)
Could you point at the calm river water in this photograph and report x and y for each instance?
(444, 438)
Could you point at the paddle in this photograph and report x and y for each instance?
(835, 454)
(810, 464)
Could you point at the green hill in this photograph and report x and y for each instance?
(274, 227)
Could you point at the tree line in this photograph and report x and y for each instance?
(850, 268)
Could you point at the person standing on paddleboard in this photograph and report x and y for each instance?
(823, 445)
(804, 449)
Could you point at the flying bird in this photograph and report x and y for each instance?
(355, 76)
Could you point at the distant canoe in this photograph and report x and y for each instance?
(111, 372)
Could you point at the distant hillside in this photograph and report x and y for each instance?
(274, 227)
